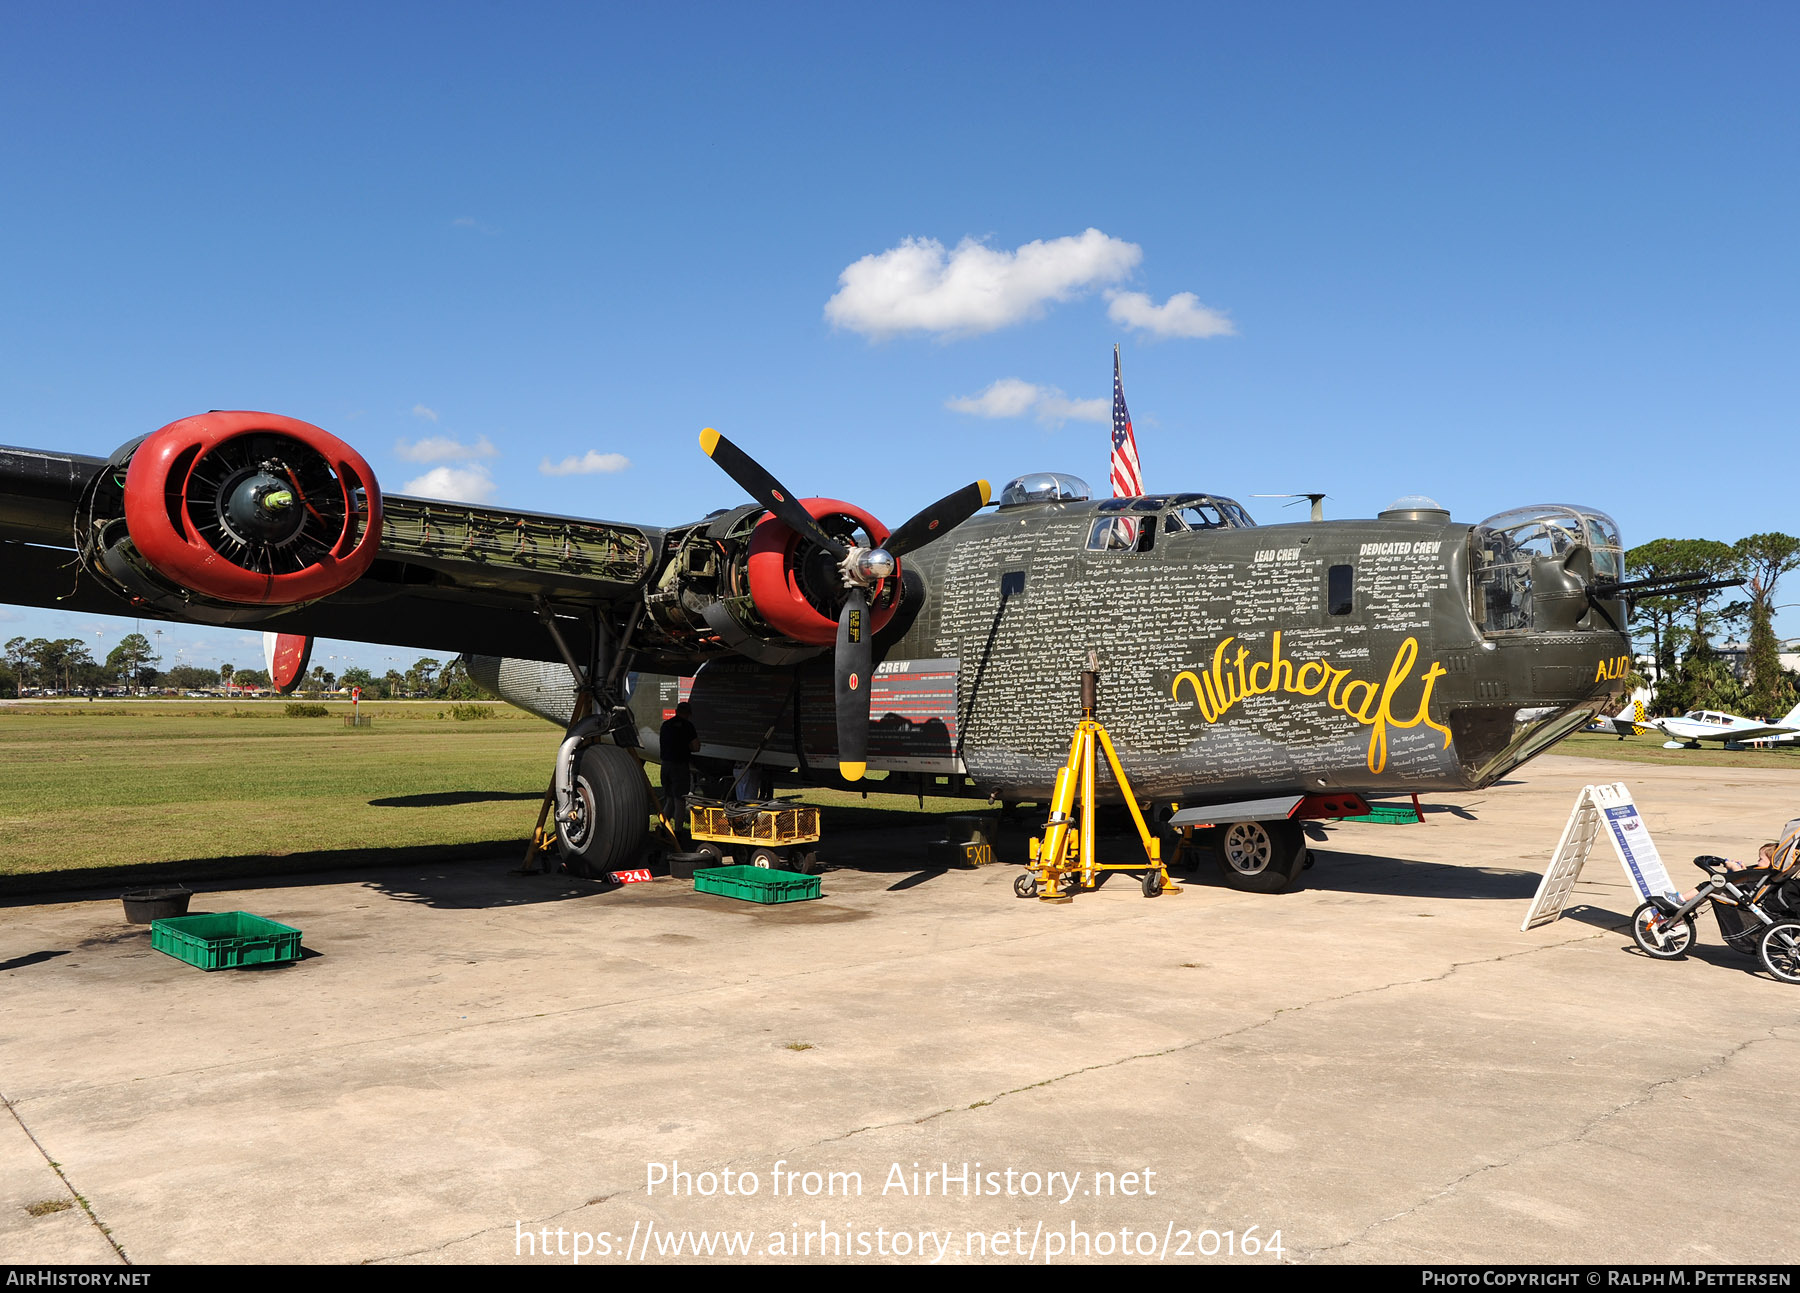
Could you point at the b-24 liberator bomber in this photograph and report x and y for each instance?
(1255, 676)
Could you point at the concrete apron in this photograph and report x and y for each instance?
(1378, 1066)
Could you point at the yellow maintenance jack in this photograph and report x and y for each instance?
(1064, 857)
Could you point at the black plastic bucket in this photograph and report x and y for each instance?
(145, 905)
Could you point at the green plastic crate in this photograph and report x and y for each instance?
(225, 940)
(756, 884)
(1388, 815)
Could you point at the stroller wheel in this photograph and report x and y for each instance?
(1657, 936)
(1780, 950)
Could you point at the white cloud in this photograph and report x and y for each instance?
(1007, 398)
(420, 411)
(1011, 398)
(591, 463)
(1054, 409)
(1181, 315)
(441, 448)
(918, 287)
(470, 484)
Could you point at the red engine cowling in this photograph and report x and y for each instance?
(252, 509)
(790, 579)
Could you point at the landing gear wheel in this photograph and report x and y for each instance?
(1780, 951)
(1260, 857)
(1152, 883)
(1656, 937)
(768, 859)
(611, 823)
(1025, 885)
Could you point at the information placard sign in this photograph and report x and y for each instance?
(1631, 841)
(1609, 808)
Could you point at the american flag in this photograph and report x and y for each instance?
(1127, 477)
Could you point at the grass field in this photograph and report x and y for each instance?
(123, 791)
(114, 784)
(115, 790)
(1649, 749)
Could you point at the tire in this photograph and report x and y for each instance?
(768, 859)
(613, 825)
(1675, 941)
(1152, 883)
(1779, 950)
(710, 853)
(1025, 885)
(1260, 857)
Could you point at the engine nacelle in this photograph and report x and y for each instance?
(233, 516)
(750, 583)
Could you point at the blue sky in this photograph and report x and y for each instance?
(1495, 254)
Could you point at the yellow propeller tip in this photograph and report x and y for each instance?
(709, 440)
(853, 771)
(987, 492)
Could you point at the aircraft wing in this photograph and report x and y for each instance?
(442, 575)
(255, 520)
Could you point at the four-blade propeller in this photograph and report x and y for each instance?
(861, 569)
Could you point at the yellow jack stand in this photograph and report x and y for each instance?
(1064, 857)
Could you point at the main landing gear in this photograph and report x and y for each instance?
(596, 814)
(1260, 857)
(604, 831)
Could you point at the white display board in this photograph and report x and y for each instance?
(1631, 841)
(1608, 808)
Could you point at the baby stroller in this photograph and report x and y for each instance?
(1758, 910)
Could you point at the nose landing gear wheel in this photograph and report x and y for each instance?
(1780, 951)
(1656, 936)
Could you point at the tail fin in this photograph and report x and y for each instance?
(287, 655)
(1633, 713)
(1792, 719)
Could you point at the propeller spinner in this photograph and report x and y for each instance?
(861, 569)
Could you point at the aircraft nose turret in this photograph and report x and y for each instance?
(1554, 648)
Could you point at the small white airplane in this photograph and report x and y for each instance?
(1700, 725)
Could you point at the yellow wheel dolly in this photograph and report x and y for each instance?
(1064, 857)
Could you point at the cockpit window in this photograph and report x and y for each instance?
(1185, 511)
(1197, 516)
(1113, 534)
